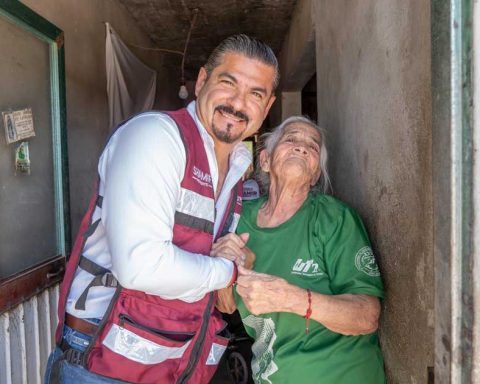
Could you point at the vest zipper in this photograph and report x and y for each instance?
(173, 335)
(197, 348)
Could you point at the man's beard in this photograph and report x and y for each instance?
(226, 136)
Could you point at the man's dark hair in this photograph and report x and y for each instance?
(247, 46)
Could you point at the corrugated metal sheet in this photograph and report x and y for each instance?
(26, 338)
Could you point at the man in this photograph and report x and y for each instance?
(139, 287)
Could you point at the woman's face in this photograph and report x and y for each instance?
(297, 154)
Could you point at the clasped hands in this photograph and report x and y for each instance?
(233, 247)
(261, 293)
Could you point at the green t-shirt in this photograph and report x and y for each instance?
(323, 247)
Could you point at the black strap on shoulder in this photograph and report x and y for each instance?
(102, 278)
(231, 209)
(91, 267)
(91, 229)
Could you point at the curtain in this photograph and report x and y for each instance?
(131, 84)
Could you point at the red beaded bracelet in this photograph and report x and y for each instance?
(309, 311)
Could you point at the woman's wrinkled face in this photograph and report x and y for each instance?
(297, 154)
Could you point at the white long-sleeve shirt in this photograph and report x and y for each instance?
(140, 171)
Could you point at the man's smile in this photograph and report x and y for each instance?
(231, 114)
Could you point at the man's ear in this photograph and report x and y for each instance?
(269, 105)
(201, 80)
(264, 160)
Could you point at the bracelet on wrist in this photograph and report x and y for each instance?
(309, 311)
(234, 275)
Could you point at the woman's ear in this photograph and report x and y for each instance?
(315, 177)
(264, 161)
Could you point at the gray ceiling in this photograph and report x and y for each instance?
(167, 23)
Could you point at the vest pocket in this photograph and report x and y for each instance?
(144, 344)
(217, 349)
(129, 350)
(213, 350)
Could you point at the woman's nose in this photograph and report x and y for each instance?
(300, 148)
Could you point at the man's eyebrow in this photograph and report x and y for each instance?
(234, 79)
(260, 89)
(226, 74)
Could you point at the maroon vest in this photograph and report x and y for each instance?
(143, 338)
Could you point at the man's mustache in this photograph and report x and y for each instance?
(231, 111)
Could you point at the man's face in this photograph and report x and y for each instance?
(235, 99)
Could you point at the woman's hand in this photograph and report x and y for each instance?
(347, 314)
(225, 301)
(264, 293)
(232, 247)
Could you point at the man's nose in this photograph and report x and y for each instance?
(237, 100)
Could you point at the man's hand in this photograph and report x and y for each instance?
(232, 247)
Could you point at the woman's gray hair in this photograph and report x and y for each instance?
(270, 141)
(247, 46)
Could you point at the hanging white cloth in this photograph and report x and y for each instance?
(131, 84)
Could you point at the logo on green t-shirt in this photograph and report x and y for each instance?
(365, 262)
(306, 268)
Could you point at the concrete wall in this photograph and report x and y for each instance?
(87, 111)
(297, 63)
(291, 104)
(373, 74)
(297, 67)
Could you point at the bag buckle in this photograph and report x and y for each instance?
(108, 280)
(73, 356)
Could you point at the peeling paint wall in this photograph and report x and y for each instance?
(87, 110)
(373, 77)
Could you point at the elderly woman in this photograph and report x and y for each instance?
(311, 303)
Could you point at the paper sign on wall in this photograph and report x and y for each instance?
(18, 125)
(22, 158)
